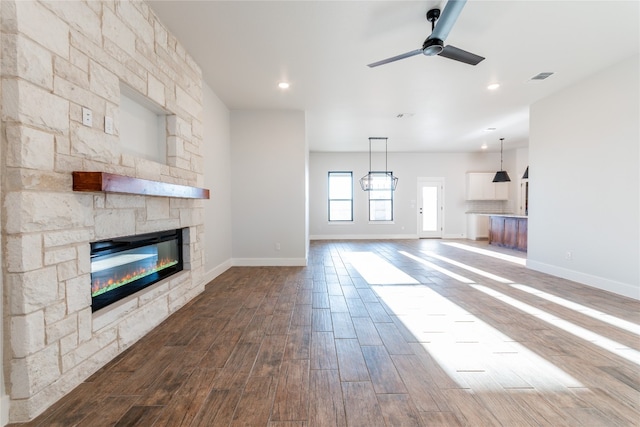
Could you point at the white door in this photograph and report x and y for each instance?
(430, 207)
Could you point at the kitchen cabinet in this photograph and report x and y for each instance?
(508, 231)
(477, 226)
(480, 186)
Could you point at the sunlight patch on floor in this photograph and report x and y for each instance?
(504, 257)
(468, 267)
(587, 311)
(437, 268)
(467, 348)
(377, 271)
(596, 339)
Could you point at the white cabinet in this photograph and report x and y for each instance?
(480, 186)
(477, 227)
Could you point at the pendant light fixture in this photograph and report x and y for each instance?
(379, 180)
(501, 175)
(526, 173)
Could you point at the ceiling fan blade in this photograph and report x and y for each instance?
(447, 19)
(456, 54)
(395, 58)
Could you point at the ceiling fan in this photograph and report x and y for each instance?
(434, 44)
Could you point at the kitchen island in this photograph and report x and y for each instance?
(509, 231)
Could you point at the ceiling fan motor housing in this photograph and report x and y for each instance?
(432, 47)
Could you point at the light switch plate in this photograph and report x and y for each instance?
(87, 117)
(108, 125)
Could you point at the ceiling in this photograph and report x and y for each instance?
(322, 48)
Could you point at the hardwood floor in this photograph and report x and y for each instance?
(439, 336)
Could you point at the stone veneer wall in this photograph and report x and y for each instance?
(58, 56)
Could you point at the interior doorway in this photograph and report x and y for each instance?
(430, 208)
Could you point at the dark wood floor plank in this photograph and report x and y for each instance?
(337, 304)
(422, 387)
(320, 300)
(269, 358)
(218, 408)
(326, 407)
(167, 383)
(392, 339)
(107, 412)
(279, 324)
(323, 351)
(384, 376)
(377, 313)
(292, 395)
(139, 416)
(302, 314)
(298, 345)
(343, 326)
(356, 307)
(366, 331)
(188, 400)
(321, 320)
(351, 361)
(255, 404)
(235, 372)
(361, 405)
(399, 410)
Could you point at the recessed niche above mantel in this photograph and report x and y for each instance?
(113, 183)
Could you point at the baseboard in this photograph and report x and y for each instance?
(217, 270)
(363, 237)
(460, 236)
(624, 289)
(269, 262)
(4, 410)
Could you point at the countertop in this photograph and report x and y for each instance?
(497, 214)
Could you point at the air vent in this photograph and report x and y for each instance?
(541, 76)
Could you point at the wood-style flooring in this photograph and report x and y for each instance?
(377, 333)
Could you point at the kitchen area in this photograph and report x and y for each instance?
(490, 215)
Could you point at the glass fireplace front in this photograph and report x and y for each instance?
(125, 265)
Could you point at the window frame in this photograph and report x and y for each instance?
(329, 199)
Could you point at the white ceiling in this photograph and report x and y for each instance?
(322, 47)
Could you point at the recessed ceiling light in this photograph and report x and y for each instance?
(493, 86)
(484, 146)
(490, 129)
(283, 85)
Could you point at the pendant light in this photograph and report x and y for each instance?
(526, 173)
(379, 180)
(501, 175)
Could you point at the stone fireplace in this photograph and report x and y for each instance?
(59, 58)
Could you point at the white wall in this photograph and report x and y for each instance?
(268, 187)
(584, 185)
(407, 167)
(217, 178)
(521, 163)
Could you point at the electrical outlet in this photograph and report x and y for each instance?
(87, 117)
(108, 125)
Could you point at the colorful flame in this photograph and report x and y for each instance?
(99, 287)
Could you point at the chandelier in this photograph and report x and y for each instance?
(378, 180)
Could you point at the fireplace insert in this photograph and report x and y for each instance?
(125, 265)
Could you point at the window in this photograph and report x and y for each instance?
(380, 199)
(340, 196)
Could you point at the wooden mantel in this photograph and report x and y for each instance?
(112, 183)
